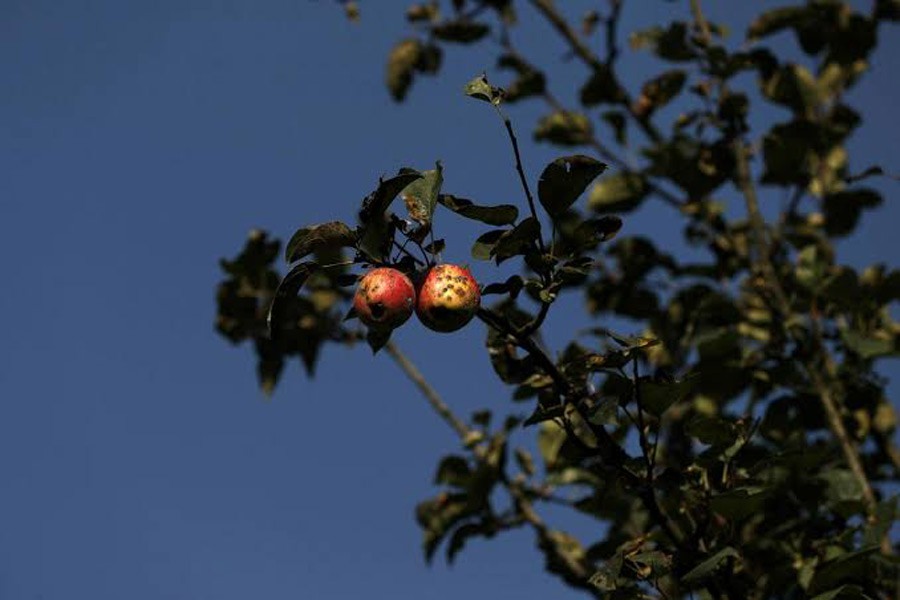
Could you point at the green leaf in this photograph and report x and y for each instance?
(886, 514)
(512, 286)
(888, 10)
(601, 87)
(377, 338)
(481, 89)
(453, 470)
(564, 129)
(517, 241)
(739, 503)
(437, 516)
(853, 566)
(657, 397)
(670, 44)
(285, 293)
(564, 180)
(460, 31)
(464, 533)
(530, 82)
(377, 203)
(708, 566)
(660, 90)
(848, 592)
(268, 367)
(314, 238)
(483, 248)
(620, 192)
(436, 247)
(793, 86)
(421, 196)
(775, 20)
(502, 214)
(843, 209)
(402, 61)
(867, 347)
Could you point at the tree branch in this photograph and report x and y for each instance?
(522, 178)
(431, 395)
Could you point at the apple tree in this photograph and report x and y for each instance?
(740, 444)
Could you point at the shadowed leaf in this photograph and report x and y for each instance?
(314, 238)
(502, 214)
(564, 180)
(287, 290)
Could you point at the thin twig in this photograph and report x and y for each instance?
(431, 395)
(612, 24)
(521, 171)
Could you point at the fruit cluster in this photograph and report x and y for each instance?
(445, 298)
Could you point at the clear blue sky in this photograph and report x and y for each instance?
(139, 142)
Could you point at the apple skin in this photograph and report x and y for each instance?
(448, 298)
(385, 298)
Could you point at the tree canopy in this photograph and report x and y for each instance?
(739, 443)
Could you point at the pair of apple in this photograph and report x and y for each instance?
(445, 298)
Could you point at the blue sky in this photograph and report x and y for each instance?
(139, 142)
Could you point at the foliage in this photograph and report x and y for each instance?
(742, 445)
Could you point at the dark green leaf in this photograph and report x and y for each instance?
(436, 247)
(517, 241)
(421, 196)
(847, 592)
(620, 192)
(616, 119)
(483, 248)
(739, 502)
(669, 44)
(503, 214)
(843, 209)
(847, 568)
(462, 534)
(710, 565)
(544, 414)
(530, 82)
(657, 397)
(377, 338)
(401, 66)
(430, 58)
(659, 91)
(602, 87)
(775, 20)
(868, 347)
(564, 129)
(268, 367)
(453, 470)
(512, 286)
(460, 32)
(285, 293)
(377, 203)
(564, 180)
(314, 238)
(593, 231)
(793, 86)
(888, 10)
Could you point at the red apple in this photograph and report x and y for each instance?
(385, 298)
(447, 298)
